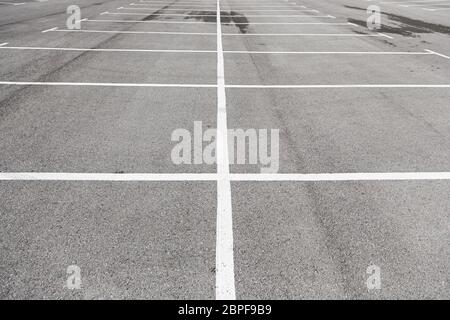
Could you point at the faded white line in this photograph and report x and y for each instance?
(305, 34)
(225, 286)
(366, 176)
(2, 47)
(133, 32)
(66, 176)
(209, 15)
(238, 23)
(438, 54)
(337, 86)
(161, 177)
(428, 52)
(104, 84)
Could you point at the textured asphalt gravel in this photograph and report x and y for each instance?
(157, 240)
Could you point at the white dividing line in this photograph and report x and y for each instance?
(201, 22)
(112, 84)
(13, 3)
(243, 10)
(133, 32)
(63, 176)
(333, 52)
(438, 54)
(225, 286)
(337, 86)
(2, 47)
(209, 15)
(52, 29)
(154, 21)
(428, 52)
(231, 86)
(389, 176)
(162, 177)
(224, 34)
(305, 34)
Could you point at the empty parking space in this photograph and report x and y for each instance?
(90, 118)
(147, 241)
(100, 129)
(316, 240)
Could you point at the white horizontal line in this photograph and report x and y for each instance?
(3, 47)
(197, 9)
(112, 84)
(64, 176)
(154, 21)
(231, 86)
(211, 15)
(390, 176)
(337, 86)
(438, 54)
(110, 50)
(214, 23)
(289, 177)
(135, 32)
(305, 34)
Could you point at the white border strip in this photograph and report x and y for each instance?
(161, 177)
(225, 286)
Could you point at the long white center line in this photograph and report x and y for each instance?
(225, 289)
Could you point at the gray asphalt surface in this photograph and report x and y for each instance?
(157, 240)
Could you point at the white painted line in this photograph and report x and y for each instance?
(135, 32)
(52, 29)
(389, 176)
(242, 10)
(112, 84)
(13, 3)
(153, 21)
(63, 176)
(210, 7)
(225, 286)
(438, 54)
(337, 86)
(236, 86)
(304, 34)
(2, 47)
(201, 22)
(209, 15)
(333, 52)
(385, 35)
(162, 177)
(428, 52)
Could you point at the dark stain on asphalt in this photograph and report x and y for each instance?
(404, 31)
(226, 18)
(155, 14)
(406, 26)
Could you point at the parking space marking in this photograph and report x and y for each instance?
(307, 34)
(261, 177)
(225, 286)
(203, 15)
(336, 86)
(107, 84)
(132, 32)
(426, 52)
(235, 23)
(12, 3)
(438, 54)
(2, 47)
(242, 10)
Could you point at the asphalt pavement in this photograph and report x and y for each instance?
(87, 177)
